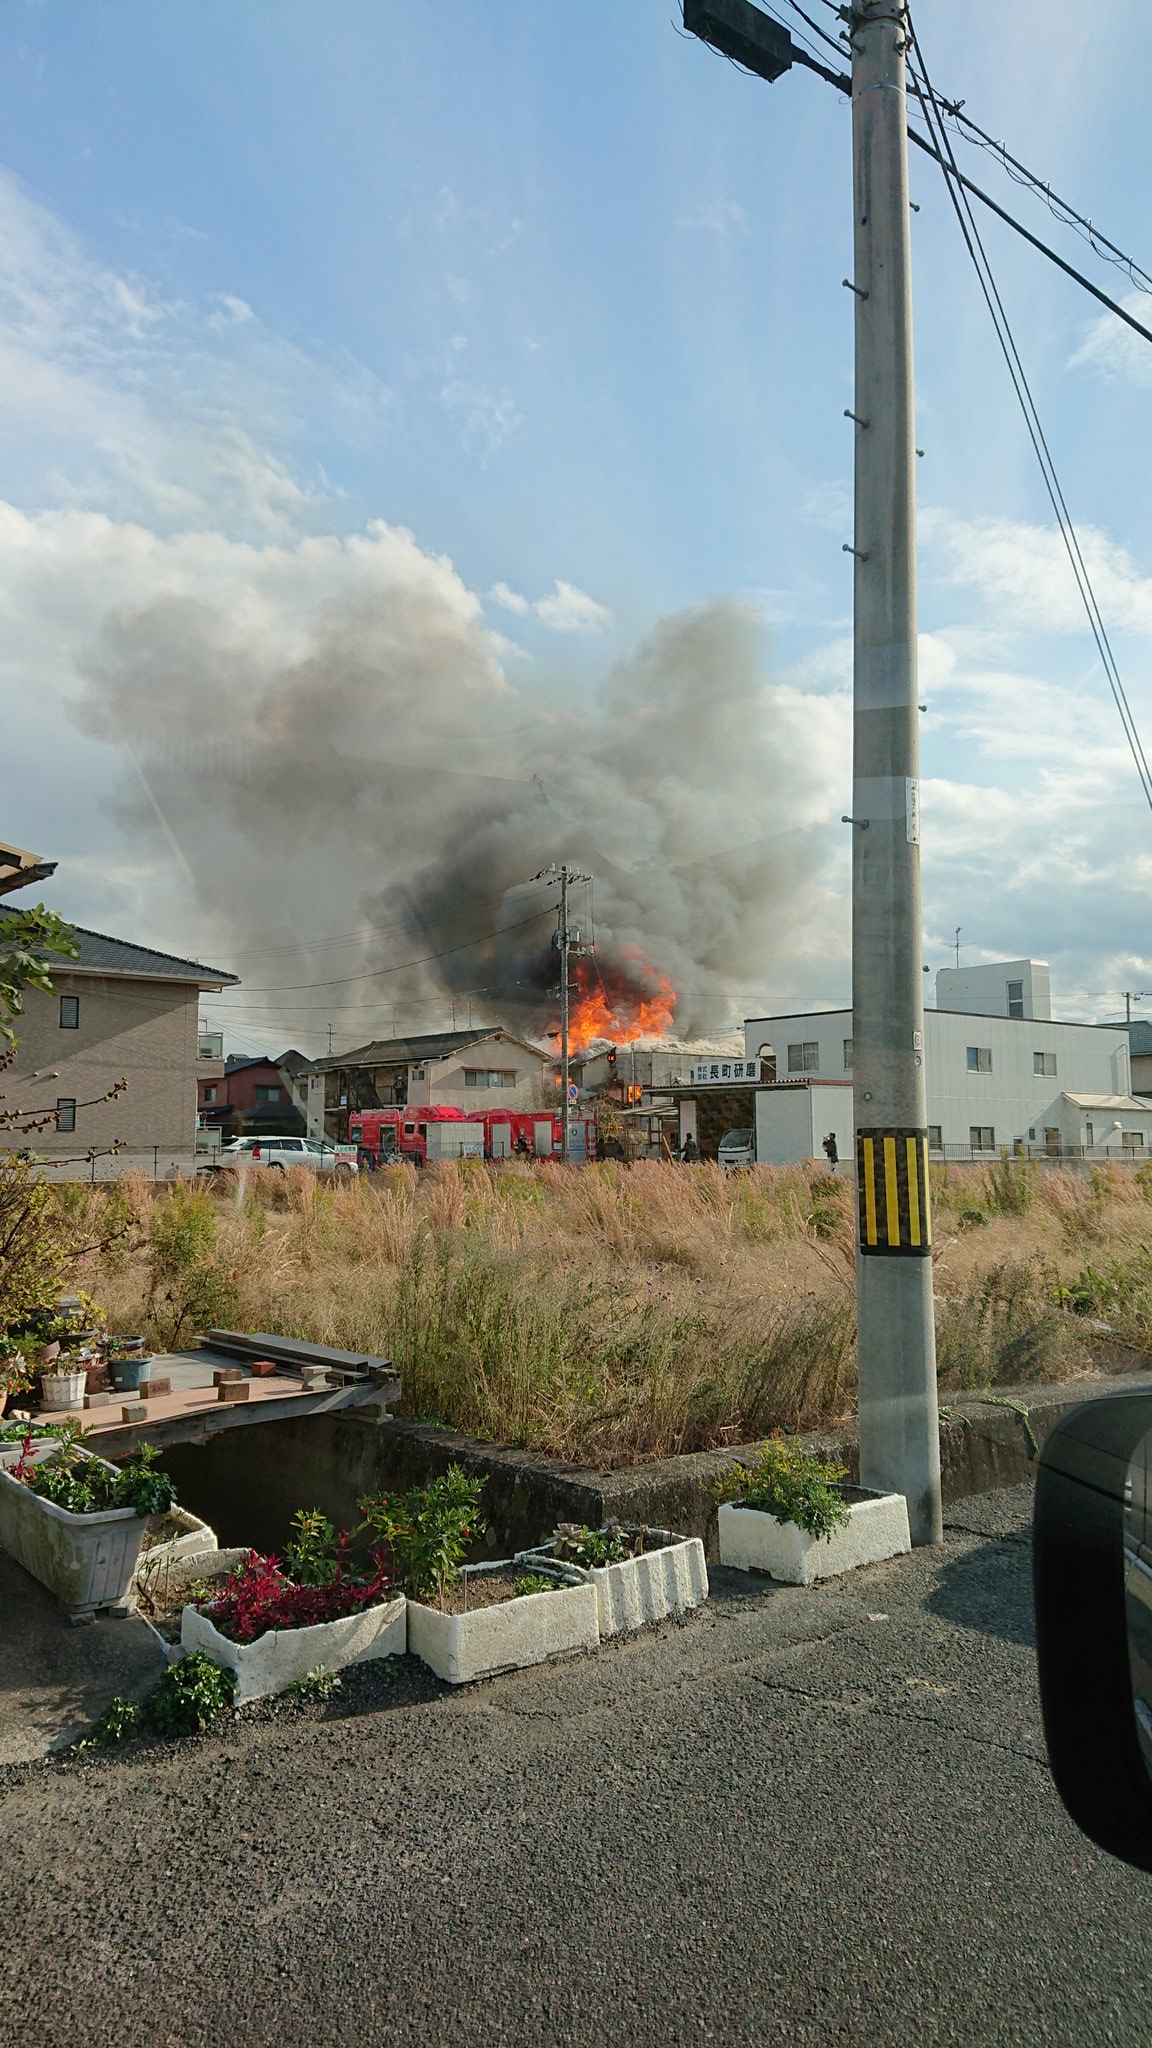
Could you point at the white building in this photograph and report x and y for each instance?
(1009, 1076)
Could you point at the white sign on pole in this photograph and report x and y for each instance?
(706, 1072)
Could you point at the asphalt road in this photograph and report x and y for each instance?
(804, 1817)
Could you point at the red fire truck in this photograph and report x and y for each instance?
(384, 1134)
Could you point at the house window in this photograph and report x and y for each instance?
(982, 1137)
(847, 1055)
(979, 1059)
(1089, 1134)
(1043, 1063)
(1015, 998)
(210, 1092)
(804, 1058)
(1134, 1140)
(935, 1137)
(69, 1013)
(489, 1077)
(65, 1112)
(267, 1095)
(1032, 1136)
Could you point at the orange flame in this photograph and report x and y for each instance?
(620, 1017)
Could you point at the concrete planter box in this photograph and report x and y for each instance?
(277, 1660)
(753, 1541)
(640, 1590)
(157, 1562)
(87, 1561)
(64, 1389)
(514, 1633)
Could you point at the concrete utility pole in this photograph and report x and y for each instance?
(567, 942)
(899, 1420)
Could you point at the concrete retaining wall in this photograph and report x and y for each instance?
(248, 1483)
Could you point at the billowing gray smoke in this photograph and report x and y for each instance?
(383, 777)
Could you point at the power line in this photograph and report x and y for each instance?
(843, 84)
(374, 974)
(968, 228)
(379, 931)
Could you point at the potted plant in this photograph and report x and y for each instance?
(470, 1621)
(128, 1368)
(792, 1515)
(15, 1373)
(640, 1574)
(74, 1521)
(274, 1622)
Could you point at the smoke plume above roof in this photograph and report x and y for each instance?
(352, 757)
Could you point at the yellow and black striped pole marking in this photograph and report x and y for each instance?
(892, 1184)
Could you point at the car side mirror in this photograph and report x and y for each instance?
(1092, 1580)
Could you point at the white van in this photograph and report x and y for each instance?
(737, 1148)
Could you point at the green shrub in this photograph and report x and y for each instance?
(189, 1695)
(786, 1481)
(428, 1529)
(1010, 1186)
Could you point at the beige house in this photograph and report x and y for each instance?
(470, 1070)
(119, 1011)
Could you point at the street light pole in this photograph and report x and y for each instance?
(899, 1420)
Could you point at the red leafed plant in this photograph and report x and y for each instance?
(258, 1596)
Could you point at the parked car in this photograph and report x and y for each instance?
(280, 1153)
(737, 1148)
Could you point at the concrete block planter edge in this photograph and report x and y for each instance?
(640, 1591)
(533, 1629)
(751, 1540)
(282, 1656)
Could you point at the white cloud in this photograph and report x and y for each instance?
(723, 217)
(1023, 571)
(1113, 348)
(487, 418)
(565, 610)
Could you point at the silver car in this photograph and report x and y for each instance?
(280, 1153)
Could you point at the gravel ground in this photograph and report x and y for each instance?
(803, 1816)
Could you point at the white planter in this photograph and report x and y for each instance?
(86, 1560)
(645, 1589)
(156, 1564)
(277, 1660)
(514, 1633)
(877, 1527)
(65, 1389)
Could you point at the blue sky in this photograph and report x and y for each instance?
(559, 292)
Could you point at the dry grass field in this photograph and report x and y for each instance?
(613, 1314)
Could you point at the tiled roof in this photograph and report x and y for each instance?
(100, 954)
(399, 1052)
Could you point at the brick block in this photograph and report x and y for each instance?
(227, 1376)
(134, 1411)
(233, 1390)
(152, 1389)
(100, 1400)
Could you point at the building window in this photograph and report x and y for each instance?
(266, 1095)
(65, 1112)
(1015, 998)
(1043, 1063)
(1089, 1134)
(804, 1058)
(1134, 1140)
(69, 1013)
(489, 1077)
(847, 1055)
(210, 1092)
(935, 1137)
(1032, 1136)
(982, 1137)
(979, 1059)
